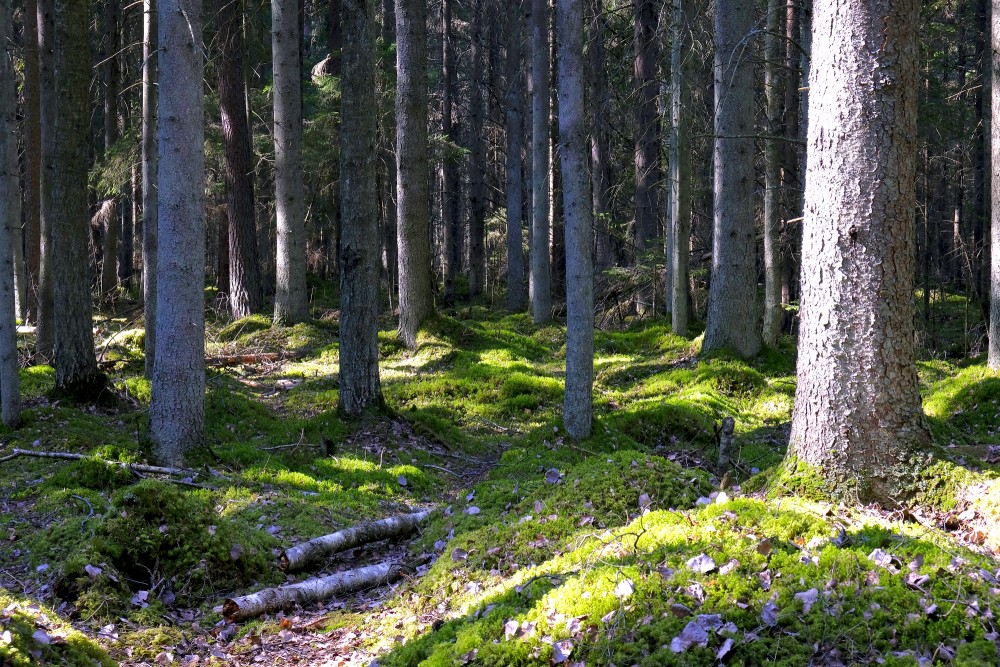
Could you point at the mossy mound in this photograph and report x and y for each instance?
(31, 634)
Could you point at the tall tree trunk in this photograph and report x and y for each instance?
(126, 244)
(387, 150)
(177, 408)
(245, 288)
(600, 134)
(578, 403)
(994, 134)
(774, 89)
(10, 218)
(335, 36)
(680, 164)
(477, 161)
(857, 414)
(647, 126)
(514, 125)
(111, 74)
(540, 278)
(360, 388)
(149, 179)
(416, 288)
(450, 177)
(32, 136)
(557, 233)
(733, 315)
(45, 333)
(77, 374)
(793, 164)
(291, 301)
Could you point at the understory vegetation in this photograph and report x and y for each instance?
(629, 548)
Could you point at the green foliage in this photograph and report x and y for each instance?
(38, 637)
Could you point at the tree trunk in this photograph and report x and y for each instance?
(390, 227)
(540, 278)
(32, 156)
(477, 161)
(857, 411)
(647, 126)
(149, 178)
(680, 164)
(291, 301)
(318, 548)
(450, 177)
(75, 360)
(10, 218)
(600, 134)
(578, 403)
(177, 409)
(245, 289)
(774, 88)
(994, 133)
(514, 122)
(335, 37)
(733, 316)
(111, 74)
(45, 332)
(360, 388)
(416, 295)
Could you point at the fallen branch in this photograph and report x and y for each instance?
(314, 549)
(311, 590)
(69, 456)
(250, 359)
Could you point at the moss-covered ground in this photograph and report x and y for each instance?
(628, 548)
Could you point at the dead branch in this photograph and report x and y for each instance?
(251, 359)
(69, 456)
(304, 592)
(314, 549)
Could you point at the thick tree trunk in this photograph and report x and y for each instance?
(994, 323)
(387, 149)
(647, 125)
(540, 278)
(600, 133)
(32, 137)
(291, 302)
(245, 289)
(857, 406)
(75, 360)
(149, 178)
(733, 314)
(578, 403)
(477, 161)
(774, 89)
(450, 178)
(111, 74)
(514, 122)
(177, 409)
(10, 218)
(45, 333)
(360, 388)
(416, 295)
(680, 164)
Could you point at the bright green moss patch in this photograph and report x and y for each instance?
(31, 634)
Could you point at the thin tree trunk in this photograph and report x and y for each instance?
(126, 244)
(793, 170)
(245, 288)
(680, 164)
(647, 126)
(111, 74)
(540, 278)
(416, 296)
(32, 156)
(360, 388)
(774, 89)
(291, 302)
(600, 135)
(516, 292)
(10, 218)
(177, 409)
(994, 134)
(149, 178)
(45, 333)
(477, 161)
(390, 229)
(733, 315)
(450, 177)
(578, 403)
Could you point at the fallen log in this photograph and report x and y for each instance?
(250, 359)
(316, 548)
(156, 470)
(274, 599)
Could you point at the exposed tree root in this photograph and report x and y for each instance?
(307, 552)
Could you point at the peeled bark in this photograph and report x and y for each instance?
(733, 317)
(680, 165)
(307, 552)
(311, 590)
(477, 162)
(858, 416)
(578, 403)
(177, 408)
(10, 217)
(514, 125)
(149, 169)
(360, 387)
(540, 277)
(647, 126)
(774, 89)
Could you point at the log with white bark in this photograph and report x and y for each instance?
(274, 599)
(319, 547)
(69, 456)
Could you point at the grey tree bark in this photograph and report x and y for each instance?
(291, 302)
(647, 126)
(77, 374)
(600, 136)
(387, 151)
(477, 160)
(733, 313)
(993, 359)
(32, 138)
(177, 408)
(540, 277)
(360, 387)
(111, 72)
(679, 164)
(578, 401)
(45, 333)
(450, 177)
(149, 179)
(517, 296)
(10, 218)
(774, 85)
(857, 411)
(416, 286)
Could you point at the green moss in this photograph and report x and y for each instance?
(23, 619)
(244, 327)
(91, 473)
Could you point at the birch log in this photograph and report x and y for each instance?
(307, 552)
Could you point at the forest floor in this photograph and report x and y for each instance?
(624, 549)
